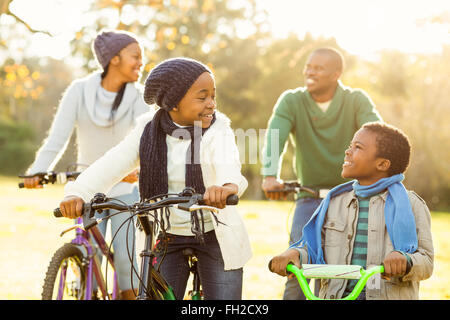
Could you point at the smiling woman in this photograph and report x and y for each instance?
(103, 105)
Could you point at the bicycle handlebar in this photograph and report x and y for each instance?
(294, 187)
(100, 202)
(51, 177)
(324, 271)
(327, 271)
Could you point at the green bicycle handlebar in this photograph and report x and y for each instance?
(333, 271)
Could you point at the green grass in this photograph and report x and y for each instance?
(29, 234)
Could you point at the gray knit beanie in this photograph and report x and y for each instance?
(169, 81)
(108, 44)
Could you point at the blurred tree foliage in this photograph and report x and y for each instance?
(16, 145)
(252, 69)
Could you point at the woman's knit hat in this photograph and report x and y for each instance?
(169, 81)
(108, 44)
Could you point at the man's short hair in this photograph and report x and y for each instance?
(392, 144)
(337, 57)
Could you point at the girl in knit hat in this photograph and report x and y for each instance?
(186, 143)
(103, 108)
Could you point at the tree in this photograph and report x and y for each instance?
(4, 9)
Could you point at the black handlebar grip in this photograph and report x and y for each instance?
(21, 185)
(57, 213)
(232, 200)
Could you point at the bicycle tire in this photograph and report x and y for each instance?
(67, 253)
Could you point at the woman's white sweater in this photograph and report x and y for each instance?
(80, 109)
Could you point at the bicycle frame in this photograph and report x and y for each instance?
(148, 272)
(151, 284)
(364, 276)
(84, 238)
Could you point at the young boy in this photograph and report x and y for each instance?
(369, 221)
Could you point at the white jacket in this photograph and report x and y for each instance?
(220, 164)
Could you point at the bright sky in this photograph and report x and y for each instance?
(361, 27)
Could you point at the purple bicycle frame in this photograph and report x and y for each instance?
(94, 268)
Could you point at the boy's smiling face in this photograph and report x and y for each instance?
(361, 161)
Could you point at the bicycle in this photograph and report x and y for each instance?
(74, 266)
(152, 285)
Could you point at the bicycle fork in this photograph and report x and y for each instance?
(150, 277)
(196, 292)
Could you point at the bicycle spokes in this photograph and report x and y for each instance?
(71, 284)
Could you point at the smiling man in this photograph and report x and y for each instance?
(321, 118)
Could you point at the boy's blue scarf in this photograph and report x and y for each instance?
(399, 218)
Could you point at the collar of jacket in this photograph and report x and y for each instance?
(92, 83)
(350, 197)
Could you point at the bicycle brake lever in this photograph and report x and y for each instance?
(88, 217)
(192, 202)
(197, 207)
(79, 225)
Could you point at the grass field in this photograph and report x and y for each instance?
(29, 235)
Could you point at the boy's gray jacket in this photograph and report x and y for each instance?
(338, 234)
(219, 158)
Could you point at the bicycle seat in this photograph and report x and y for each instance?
(188, 252)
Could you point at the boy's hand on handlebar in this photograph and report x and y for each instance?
(394, 265)
(280, 262)
(32, 183)
(272, 184)
(71, 207)
(216, 196)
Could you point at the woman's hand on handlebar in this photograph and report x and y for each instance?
(216, 196)
(280, 262)
(32, 183)
(270, 185)
(71, 207)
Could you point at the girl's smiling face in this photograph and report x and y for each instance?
(198, 104)
(361, 161)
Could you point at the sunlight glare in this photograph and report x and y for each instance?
(363, 27)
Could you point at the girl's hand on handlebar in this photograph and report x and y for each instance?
(71, 207)
(394, 265)
(32, 183)
(272, 184)
(280, 262)
(216, 196)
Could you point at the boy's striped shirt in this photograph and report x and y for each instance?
(359, 255)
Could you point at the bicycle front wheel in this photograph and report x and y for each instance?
(66, 276)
